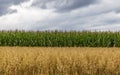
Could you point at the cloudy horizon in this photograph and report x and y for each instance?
(68, 15)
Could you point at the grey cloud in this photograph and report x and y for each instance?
(117, 10)
(63, 5)
(5, 4)
(86, 15)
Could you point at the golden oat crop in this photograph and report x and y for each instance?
(59, 61)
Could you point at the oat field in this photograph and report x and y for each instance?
(59, 61)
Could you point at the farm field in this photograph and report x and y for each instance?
(59, 39)
(59, 61)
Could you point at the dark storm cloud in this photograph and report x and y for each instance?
(63, 5)
(5, 4)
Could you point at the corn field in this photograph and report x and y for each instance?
(60, 39)
(59, 61)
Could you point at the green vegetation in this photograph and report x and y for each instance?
(60, 39)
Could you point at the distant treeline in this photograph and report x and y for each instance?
(60, 39)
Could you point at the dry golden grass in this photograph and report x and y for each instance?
(59, 61)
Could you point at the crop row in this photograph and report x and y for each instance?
(60, 39)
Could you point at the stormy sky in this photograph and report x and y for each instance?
(64, 15)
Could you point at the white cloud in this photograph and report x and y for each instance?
(25, 18)
(103, 16)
